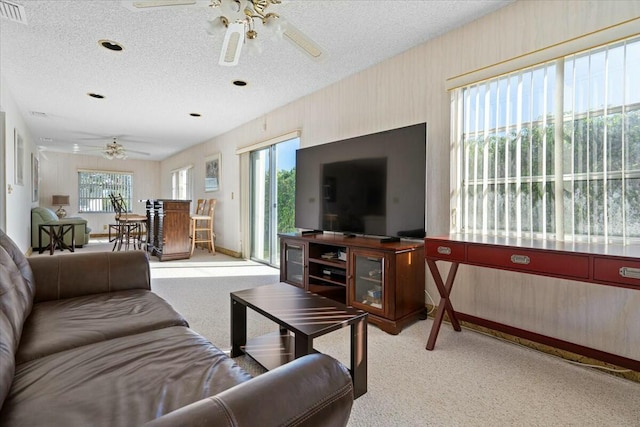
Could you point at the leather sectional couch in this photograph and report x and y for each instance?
(85, 342)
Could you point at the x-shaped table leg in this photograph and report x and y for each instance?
(445, 302)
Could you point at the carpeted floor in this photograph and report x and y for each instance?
(469, 379)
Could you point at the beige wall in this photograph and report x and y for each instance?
(17, 197)
(408, 89)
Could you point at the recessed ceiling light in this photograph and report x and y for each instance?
(195, 114)
(38, 114)
(239, 83)
(45, 139)
(95, 95)
(111, 45)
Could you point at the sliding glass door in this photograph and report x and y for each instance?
(273, 179)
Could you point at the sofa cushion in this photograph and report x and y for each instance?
(121, 382)
(60, 325)
(16, 299)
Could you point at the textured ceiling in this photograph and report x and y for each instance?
(169, 65)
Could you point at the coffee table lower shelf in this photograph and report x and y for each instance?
(272, 350)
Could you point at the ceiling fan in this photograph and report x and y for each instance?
(112, 150)
(240, 19)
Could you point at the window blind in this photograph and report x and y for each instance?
(552, 151)
(94, 188)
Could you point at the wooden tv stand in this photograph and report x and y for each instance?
(386, 279)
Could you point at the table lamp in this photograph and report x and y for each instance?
(60, 201)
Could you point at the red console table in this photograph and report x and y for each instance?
(611, 265)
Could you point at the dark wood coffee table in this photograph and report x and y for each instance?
(303, 314)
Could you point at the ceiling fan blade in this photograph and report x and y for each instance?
(140, 5)
(94, 138)
(303, 42)
(160, 3)
(107, 137)
(232, 44)
(41, 150)
(142, 153)
(86, 149)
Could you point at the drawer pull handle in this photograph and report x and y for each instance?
(632, 273)
(520, 259)
(444, 250)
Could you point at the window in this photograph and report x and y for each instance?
(94, 188)
(182, 183)
(522, 174)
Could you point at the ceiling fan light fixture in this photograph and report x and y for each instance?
(113, 150)
(240, 16)
(215, 25)
(229, 6)
(275, 24)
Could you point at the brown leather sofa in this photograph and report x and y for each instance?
(84, 342)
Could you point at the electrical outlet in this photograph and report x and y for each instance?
(104, 227)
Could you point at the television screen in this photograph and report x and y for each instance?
(369, 185)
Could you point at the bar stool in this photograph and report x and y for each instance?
(202, 228)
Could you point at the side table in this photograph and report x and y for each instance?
(56, 233)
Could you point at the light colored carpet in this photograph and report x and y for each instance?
(468, 380)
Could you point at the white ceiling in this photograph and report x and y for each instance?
(169, 65)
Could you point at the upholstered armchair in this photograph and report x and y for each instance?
(47, 216)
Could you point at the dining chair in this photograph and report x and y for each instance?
(131, 227)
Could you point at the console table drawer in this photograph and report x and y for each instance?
(617, 271)
(444, 250)
(537, 262)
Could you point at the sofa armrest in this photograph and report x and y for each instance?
(74, 275)
(74, 221)
(314, 390)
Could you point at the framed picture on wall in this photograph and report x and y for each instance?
(212, 173)
(18, 155)
(35, 176)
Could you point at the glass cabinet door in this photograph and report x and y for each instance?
(294, 264)
(368, 281)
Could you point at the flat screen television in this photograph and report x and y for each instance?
(372, 185)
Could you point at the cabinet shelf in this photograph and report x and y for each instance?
(336, 293)
(327, 279)
(374, 304)
(332, 263)
(370, 279)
